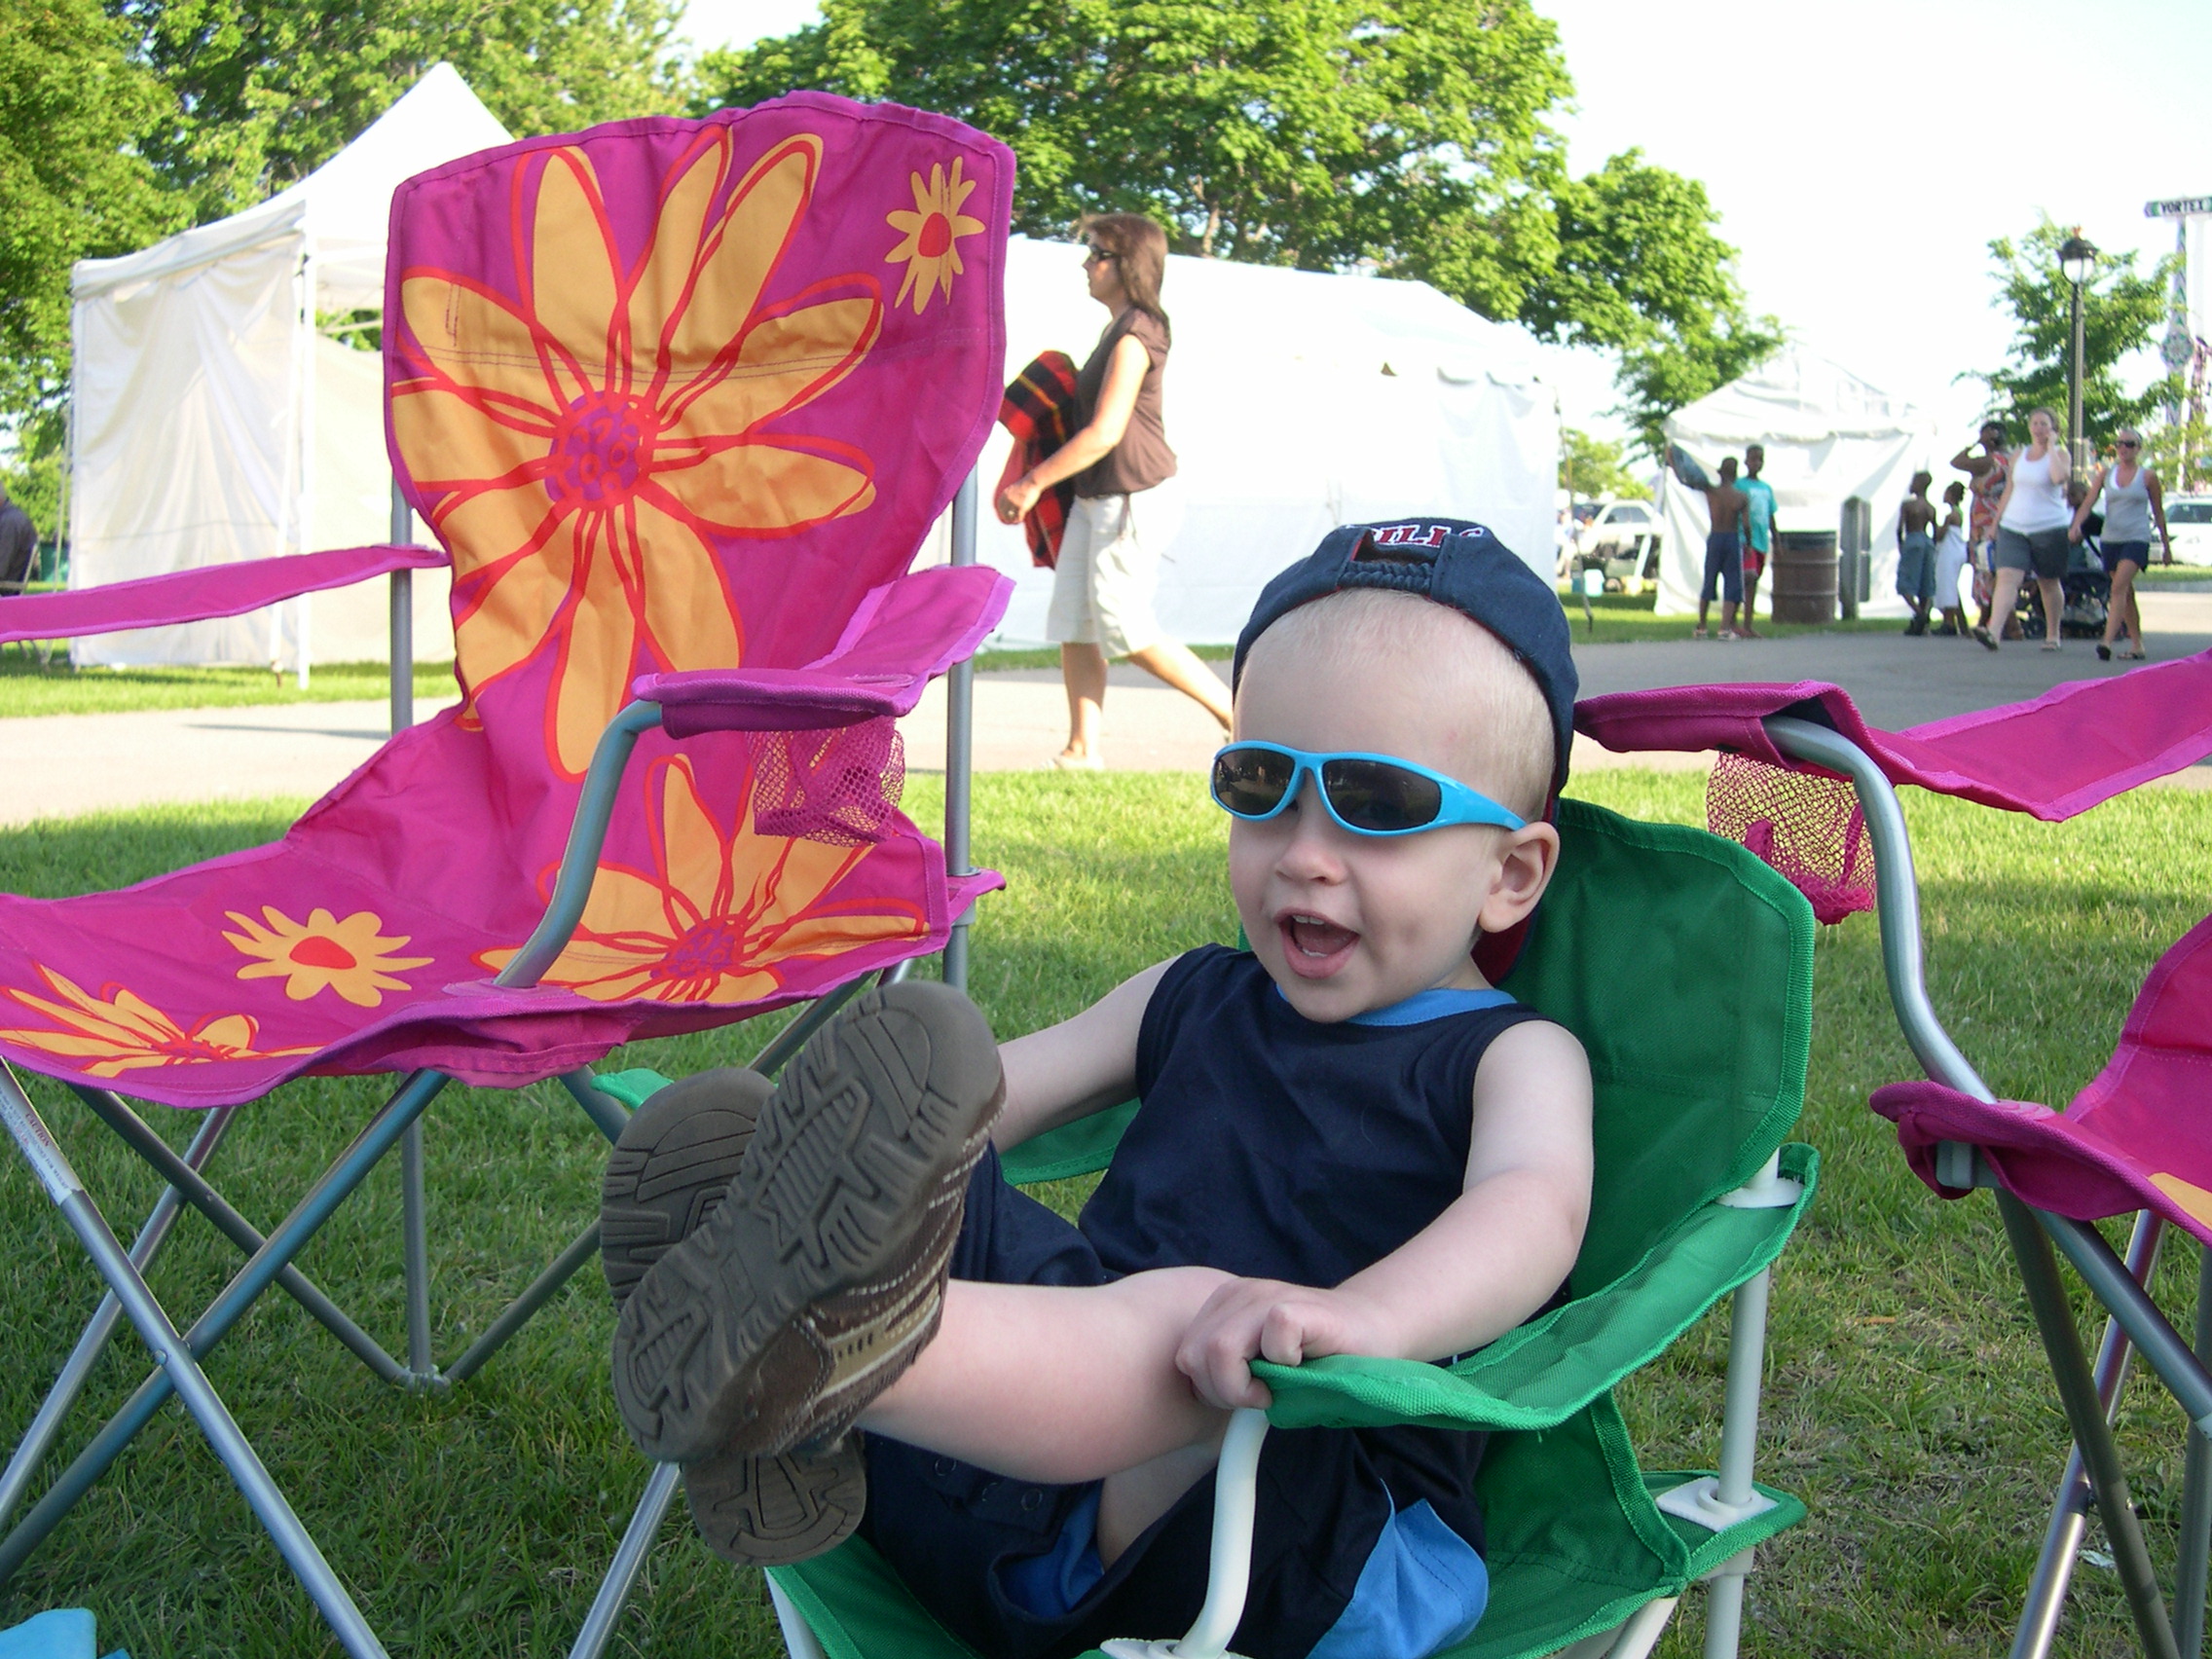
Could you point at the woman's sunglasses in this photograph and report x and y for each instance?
(1369, 794)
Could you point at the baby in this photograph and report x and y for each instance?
(1349, 1143)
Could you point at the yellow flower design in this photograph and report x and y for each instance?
(120, 1031)
(583, 448)
(351, 957)
(721, 910)
(933, 232)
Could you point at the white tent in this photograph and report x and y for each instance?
(1297, 401)
(211, 422)
(1828, 436)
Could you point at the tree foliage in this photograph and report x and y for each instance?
(2122, 311)
(1410, 137)
(1594, 466)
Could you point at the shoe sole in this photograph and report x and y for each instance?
(778, 1509)
(819, 1278)
(670, 1167)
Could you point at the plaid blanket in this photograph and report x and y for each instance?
(1041, 411)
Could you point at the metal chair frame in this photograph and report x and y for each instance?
(178, 1356)
(2089, 1397)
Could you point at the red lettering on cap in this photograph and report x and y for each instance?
(1411, 534)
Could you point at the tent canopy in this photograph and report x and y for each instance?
(1828, 436)
(1297, 401)
(212, 422)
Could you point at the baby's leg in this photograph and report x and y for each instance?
(1056, 1383)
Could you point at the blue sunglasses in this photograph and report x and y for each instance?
(1369, 794)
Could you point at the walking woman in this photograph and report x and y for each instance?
(2132, 497)
(2032, 520)
(1109, 560)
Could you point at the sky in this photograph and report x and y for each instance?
(1863, 157)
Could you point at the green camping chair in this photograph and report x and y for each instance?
(1684, 966)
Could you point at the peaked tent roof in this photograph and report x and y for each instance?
(343, 206)
(1797, 396)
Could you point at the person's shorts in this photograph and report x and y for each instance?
(1724, 565)
(2117, 553)
(1755, 562)
(1916, 568)
(1109, 566)
(1352, 1556)
(2041, 551)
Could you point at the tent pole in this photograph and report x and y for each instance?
(959, 741)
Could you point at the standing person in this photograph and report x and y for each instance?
(1916, 552)
(1726, 509)
(1989, 472)
(2132, 498)
(2032, 521)
(1759, 529)
(1123, 519)
(19, 545)
(1951, 562)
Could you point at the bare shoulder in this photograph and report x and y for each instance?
(1533, 1106)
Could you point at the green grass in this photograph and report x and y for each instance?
(30, 688)
(992, 662)
(1907, 1399)
(1619, 618)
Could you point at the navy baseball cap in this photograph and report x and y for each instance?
(1454, 563)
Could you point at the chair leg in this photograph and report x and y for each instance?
(422, 1370)
(2084, 1414)
(2070, 1509)
(46, 1426)
(2195, 1542)
(337, 1183)
(179, 1365)
(799, 1640)
(629, 1560)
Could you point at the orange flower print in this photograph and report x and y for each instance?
(350, 957)
(933, 232)
(583, 447)
(718, 911)
(120, 1031)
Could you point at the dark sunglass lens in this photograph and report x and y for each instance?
(1376, 796)
(1251, 782)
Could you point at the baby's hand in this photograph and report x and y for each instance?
(1269, 1319)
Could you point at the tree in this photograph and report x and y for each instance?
(1405, 137)
(2121, 309)
(1596, 466)
(267, 92)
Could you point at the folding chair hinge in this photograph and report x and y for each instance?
(1127, 1647)
(1699, 1502)
(1960, 1166)
(1769, 1188)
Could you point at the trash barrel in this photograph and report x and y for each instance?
(1804, 576)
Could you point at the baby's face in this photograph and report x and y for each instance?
(1347, 923)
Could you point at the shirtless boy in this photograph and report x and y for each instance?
(1727, 512)
(1336, 1125)
(1916, 552)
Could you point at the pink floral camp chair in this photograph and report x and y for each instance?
(681, 400)
(1805, 783)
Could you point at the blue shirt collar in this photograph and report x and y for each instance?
(1439, 1003)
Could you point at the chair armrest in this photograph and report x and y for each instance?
(202, 594)
(1542, 1373)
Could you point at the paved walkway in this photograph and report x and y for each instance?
(63, 765)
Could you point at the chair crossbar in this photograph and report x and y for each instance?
(180, 1371)
(69, 1382)
(192, 1187)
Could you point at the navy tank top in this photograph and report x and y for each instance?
(1270, 1146)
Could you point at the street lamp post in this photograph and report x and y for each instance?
(2077, 262)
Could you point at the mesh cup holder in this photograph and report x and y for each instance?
(840, 787)
(1807, 825)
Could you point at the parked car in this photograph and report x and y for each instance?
(1621, 539)
(2189, 519)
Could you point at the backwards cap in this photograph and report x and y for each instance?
(1457, 563)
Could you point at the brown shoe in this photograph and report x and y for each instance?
(821, 1276)
(669, 1171)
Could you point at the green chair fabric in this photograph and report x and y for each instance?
(1684, 967)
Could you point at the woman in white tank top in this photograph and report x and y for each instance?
(2132, 497)
(2032, 516)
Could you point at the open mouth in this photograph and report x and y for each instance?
(1313, 946)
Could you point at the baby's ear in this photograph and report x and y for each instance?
(1527, 857)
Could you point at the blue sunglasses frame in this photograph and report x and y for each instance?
(1459, 804)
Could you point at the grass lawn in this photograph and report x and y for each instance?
(1618, 618)
(26, 687)
(1907, 1399)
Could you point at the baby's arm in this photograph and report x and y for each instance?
(1076, 1067)
(1490, 1259)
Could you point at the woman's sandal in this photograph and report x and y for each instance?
(1065, 762)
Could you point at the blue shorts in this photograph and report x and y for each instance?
(2137, 553)
(1916, 567)
(1723, 564)
(1366, 1544)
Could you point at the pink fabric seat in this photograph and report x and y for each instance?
(680, 399)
